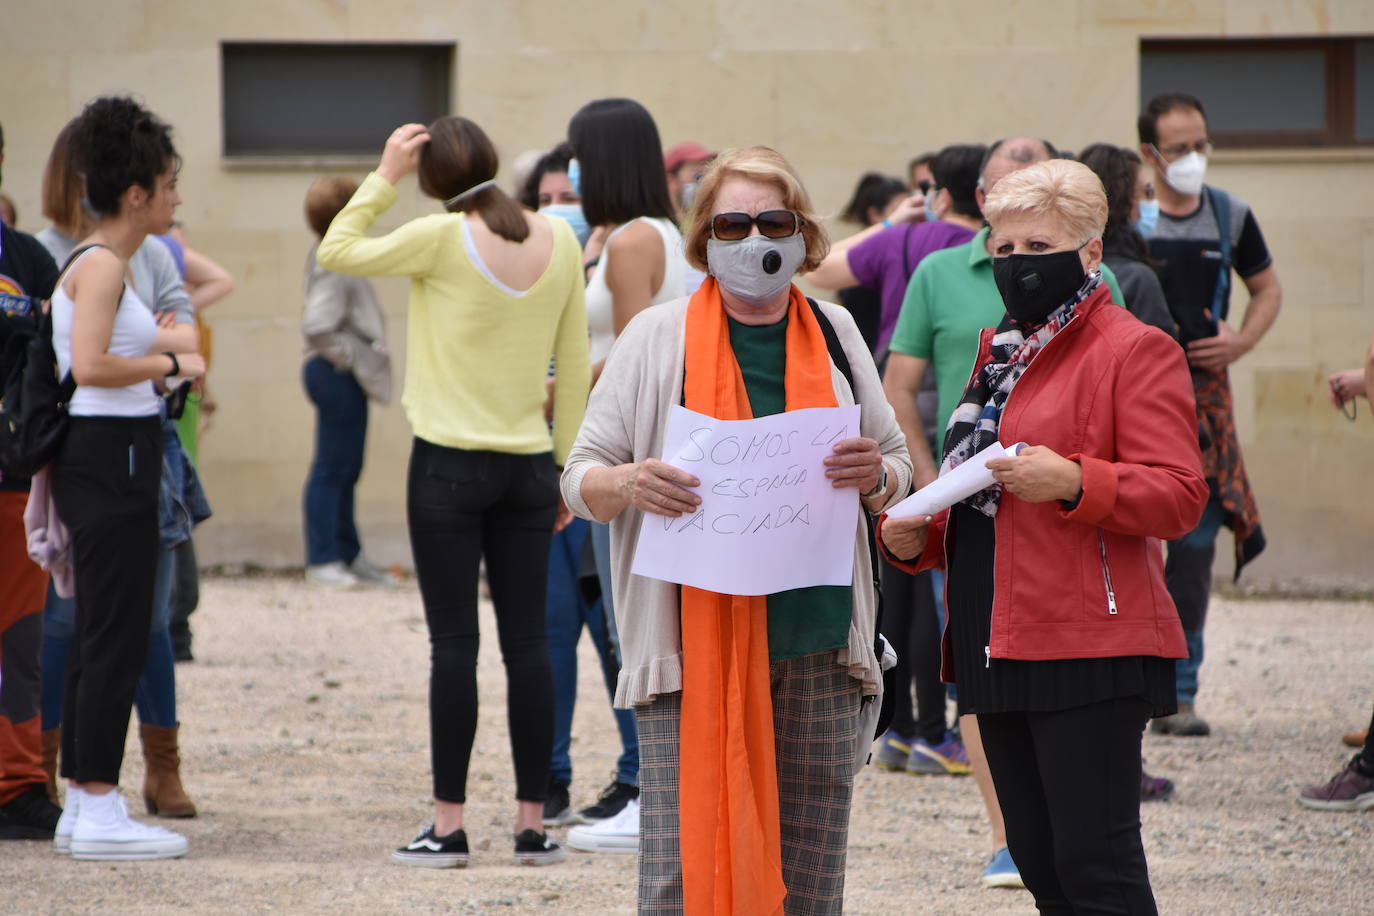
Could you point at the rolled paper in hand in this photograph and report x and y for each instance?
(960, 483)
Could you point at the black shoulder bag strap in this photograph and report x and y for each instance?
(837, 355)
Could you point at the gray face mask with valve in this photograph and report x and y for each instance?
(756, 270)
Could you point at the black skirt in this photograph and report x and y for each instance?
(1015, 685)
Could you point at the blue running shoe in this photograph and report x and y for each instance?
(893, 750)
(948, 758)
(1002, 871)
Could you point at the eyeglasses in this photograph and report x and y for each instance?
(924, 185)
(773, 224)
(1179, 150)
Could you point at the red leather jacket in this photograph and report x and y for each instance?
(1114, 395)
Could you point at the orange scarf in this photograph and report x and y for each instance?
(728, 780)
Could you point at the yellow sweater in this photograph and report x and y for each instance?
(477, 355)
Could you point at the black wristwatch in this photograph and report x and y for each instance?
(176, 365)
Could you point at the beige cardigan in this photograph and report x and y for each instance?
(625, 422)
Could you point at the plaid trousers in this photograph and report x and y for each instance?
(815, 718)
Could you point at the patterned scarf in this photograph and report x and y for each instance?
(974, 423)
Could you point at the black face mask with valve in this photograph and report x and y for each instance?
(1034, 285)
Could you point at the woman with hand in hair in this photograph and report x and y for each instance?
(496, 291)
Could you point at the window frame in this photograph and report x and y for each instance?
(1338, 53)
(321, 158)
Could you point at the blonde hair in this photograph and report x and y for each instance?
(1068, 192)
(764, 165)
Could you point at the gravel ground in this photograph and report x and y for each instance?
(305, 744)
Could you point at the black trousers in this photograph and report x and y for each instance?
(910, 622)
(105, 483)
(462, 506)
(1069, 787)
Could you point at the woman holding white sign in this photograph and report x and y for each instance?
(1061, 633)
(774, 680)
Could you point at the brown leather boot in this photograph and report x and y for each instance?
(52, 740)
(162, 791)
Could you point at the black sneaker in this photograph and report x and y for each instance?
(31, 816)
(557, 807)
(430, 851)
(613, 800)
(537, 849)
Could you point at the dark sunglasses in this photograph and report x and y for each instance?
(924, 186)
(773, 224)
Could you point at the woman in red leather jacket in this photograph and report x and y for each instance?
(1061, 633)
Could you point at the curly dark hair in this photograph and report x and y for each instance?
(1117, 168)
(555, 160)
(122, 144)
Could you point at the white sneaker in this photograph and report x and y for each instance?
(367, 574)
(62, 836)
(618, 834)
(104, 831)
(331, 575)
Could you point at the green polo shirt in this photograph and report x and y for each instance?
(802, 620)
(950, 299)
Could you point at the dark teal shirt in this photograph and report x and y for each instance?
(803, 620)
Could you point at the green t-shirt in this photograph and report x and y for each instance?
(802, 620)
(952, 296)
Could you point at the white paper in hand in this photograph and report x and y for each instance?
(960, 483)
(769, 520)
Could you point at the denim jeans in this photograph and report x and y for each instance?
(566, 612)
(1188, 575)
(340, 433)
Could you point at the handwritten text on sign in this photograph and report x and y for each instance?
(769, 519)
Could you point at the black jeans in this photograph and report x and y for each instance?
(911, 623)
(1069, 787)
(105, 483)
(462, 506)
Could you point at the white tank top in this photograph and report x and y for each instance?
(133, 335)
(600, 306)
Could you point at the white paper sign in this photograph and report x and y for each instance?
(769, 519)
(960, 483)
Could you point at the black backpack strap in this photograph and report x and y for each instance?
(68, 385)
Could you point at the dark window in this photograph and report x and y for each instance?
(285, 99)
(1270, 92)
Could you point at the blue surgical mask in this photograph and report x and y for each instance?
(572, 215)
(931, 215)
(575, 176)
(1149, 218)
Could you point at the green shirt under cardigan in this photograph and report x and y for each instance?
(801, 620)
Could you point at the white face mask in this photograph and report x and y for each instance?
(743, 267)
(1185, 174)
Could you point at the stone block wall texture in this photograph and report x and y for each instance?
(839, 87)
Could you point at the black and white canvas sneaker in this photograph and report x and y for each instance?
(613, 800)
(533, 848)
(558, 810)
(430, 851)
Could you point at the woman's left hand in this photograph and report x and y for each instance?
(1038, 474)
(402, 151)
(856, 463)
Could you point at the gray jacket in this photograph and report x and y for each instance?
(343, 322)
